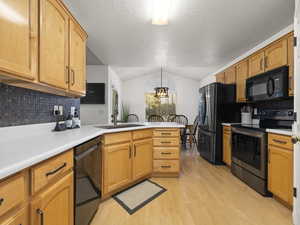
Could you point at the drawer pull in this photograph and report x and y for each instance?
(165, 142)
(165, 133)
(56, 170)
(280, 142)
(166, 153)
(41, 213)
(165, 167)
(1, 201)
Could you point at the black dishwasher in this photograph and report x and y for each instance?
(87, 159)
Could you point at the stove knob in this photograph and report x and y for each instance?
(295, 139)
(290, 113)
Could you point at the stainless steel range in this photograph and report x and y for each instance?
(250, 147)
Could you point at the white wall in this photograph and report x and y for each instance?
(211, 78)
(186, 91)
(96, 113)
(101, 113)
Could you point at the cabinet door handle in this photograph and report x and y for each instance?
(266, 62)
(165, 167)
(56, 170)
(73, 76)
(166, 153)
(165, 142)
(165, 133)
(134, 151)
(67, 74)
(41, 213)
(280, 142)
(1, 201)
(129, 151)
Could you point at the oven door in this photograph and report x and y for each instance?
(267, 86)
(249, 150)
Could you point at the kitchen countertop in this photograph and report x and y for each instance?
(25, 146)
(287, 132)
(229, 124)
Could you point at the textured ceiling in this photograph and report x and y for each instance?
(202, 35)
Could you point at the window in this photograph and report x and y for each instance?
(160, 106)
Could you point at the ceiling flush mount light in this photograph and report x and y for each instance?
(161, 92)
(160, 14)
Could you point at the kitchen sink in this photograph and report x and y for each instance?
(120, 126)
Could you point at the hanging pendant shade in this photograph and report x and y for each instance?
(161, 92)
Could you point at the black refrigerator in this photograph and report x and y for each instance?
(215, 101)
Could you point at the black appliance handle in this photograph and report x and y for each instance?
(86, 152)
(270, 87)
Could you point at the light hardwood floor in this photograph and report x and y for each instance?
(203, 195)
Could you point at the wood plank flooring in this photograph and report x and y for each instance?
(203, 195)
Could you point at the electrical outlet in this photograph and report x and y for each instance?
(55, 110)
(61, 110)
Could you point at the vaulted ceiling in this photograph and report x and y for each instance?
(201, 37)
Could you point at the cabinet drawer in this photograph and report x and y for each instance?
(166, 153)
(280, 141)
(47, 171)
(117, 138)
(166, 133)
(20, 218)
(167, 166)
(12, 193)
(141, 134)
(165, 141)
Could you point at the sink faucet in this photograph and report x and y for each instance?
(114, 117)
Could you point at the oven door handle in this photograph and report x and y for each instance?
(86, 152)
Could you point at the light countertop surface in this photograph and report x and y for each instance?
(287, 132)
(24, 146)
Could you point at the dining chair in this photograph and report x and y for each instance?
(183, 120)
(155, 118)
(192, 131)
(170, 117)
(132, 118)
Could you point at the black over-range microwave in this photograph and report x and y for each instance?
(268, 86)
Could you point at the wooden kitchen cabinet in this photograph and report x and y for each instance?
(276, 55)
(256, 64)
(230, 75)
(55, 205)
(117, 166)
(54, 44)
(142, 158)
(241, 77)
(19, 39)
(291, 63)
(220, 77)
(227, 145)
(280, 173)
(18, 218)
(77, 59)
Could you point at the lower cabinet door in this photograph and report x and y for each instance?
(227, 149)
(20, 218)
(142, 158)
(55, 205)
(280, 173)
(117, 166)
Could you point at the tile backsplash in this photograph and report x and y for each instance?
(19, 106)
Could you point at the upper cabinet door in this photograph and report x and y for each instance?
(77, 59)
(291, 63)
(54, 30)
(220, 77)
(18, 39)
(276, 55)
(241, 77)
(230, 75)
(256, 64)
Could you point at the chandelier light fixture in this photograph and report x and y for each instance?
(161, 92)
